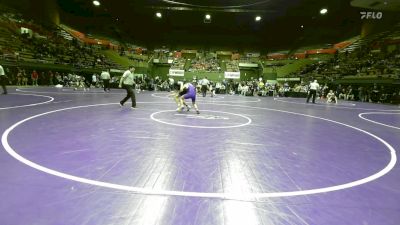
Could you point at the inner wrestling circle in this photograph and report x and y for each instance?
(205, 119)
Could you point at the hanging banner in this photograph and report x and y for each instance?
(232, 75)
(289, 79)
(248, 65)
(253, 54)
(176, 73)
(116, 71)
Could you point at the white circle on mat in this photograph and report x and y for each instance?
(33, 104)
(233, 196)
(153, 117)
(361, 115)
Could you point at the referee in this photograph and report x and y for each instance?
(314, 86)
(204, 86)
(105, 77)
(127, 83)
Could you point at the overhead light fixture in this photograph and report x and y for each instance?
(96, 3)
(207, 18)
(323, 11)
(302, 26)
(258, 18)
(158, 15)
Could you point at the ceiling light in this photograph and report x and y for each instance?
(302, 26)
(159, 15)
(323, 11)
(208, 16)
(258, 18)
(96, 3)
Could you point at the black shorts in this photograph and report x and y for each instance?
(183, 92)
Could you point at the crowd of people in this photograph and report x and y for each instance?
(204, 65)
(360, 63)
(48, 46)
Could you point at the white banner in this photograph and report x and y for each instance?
(253, 54)
(232, 75)
(248, 64)
(289, 79)
(177, 73)
(116, 71)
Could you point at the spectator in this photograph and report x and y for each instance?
(34, 77)
(3, 80)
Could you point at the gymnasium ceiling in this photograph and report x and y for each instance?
(285, 24)
(379, 5)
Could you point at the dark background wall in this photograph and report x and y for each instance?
(42, 10)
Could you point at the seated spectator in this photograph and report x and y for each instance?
(342, 94)
(331, 97)
(350, 94)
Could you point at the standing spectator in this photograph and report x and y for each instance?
(34, 78)
(105, 77)
(127, 81)
(170, 83)
(51, 78)
(313, 88)
(361, 94)
(59, 79)
(338, 90)
(24, 78)
(3, 80)
(94, 80)
(324, 91)
(375, 93)
(42, 79)
(19, 78)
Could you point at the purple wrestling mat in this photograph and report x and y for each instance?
(77, 158)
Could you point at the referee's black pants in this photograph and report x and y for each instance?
(3, 82)
(129, 94)
(204, 90)
(106, 84)
(312, 93)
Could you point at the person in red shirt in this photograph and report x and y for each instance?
(34, 77)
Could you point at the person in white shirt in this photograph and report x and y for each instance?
(127, 81)
(204, 86)
(105, 77)
(313, 88)
(170, 83)
(94, 80)
(331, 97)
(3, 80)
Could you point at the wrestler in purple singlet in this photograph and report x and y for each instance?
(191, 93)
